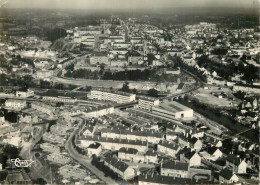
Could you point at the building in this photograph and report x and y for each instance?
(227, 177)
(23, 94)
(212, 153)
(16, 104)
(98, 111)
(236, 164)
(149, 136)
(248, 89)
(123, 170)
(147, 103)
(112, 144)
(175, 169)
(156, 179)
(89, 130)
(196, 144)
(192, 158)
(60, 99)
(134, 59)
(43, 74)
(168, 148)
(172, 110)
(133, 155)
(94, 149)
(180, 87)
(98, 59)
(115, 96)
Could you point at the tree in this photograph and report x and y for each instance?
(125, 87)
(55, 34)
(3, 175)
(153, 93)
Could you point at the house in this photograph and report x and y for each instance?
(98, 59)
(197, 133)
(175, 169)
(227, 177)
(212, 153)
(133, 155)
(122, 169)
(89, 130)
(183, 141)
(235, 163)
(94, 149)
(196, 144)
(127, 154)
(168, 148)
(170, 136)
(192, 158)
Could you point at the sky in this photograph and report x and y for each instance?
(127, 4)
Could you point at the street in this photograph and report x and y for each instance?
(85, 161)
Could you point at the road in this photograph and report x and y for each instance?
(85, 161)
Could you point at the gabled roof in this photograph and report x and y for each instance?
(176, 165)
(211, 150)
(189, 155)
(128, 150)
(121, 166)
(167, 144)
(233, 159)
(94, 146)
(225, 173)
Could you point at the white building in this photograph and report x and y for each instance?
(123, 170)
(227, 177)
(172, 110)
(147, 103)
(115, 96)
(192, 158)
(112, 144)
(175, 169)
(23, 94)
(16, 104)
(168, 148)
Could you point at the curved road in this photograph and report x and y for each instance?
(85, 161)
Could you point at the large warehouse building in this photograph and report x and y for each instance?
(172, 110)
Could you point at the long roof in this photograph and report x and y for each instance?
(129, 132)
(121, 166)
(110, 140)
(176, 165)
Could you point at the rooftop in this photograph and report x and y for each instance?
(173, 106)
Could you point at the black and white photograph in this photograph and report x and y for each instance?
(129, 92)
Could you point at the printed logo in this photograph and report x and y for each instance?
(22, 163)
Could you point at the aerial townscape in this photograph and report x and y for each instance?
(129, 96)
